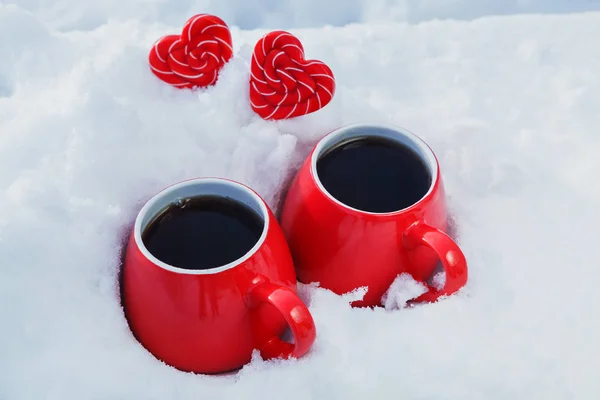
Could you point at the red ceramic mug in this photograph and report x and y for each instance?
(344, 248)
(210, 321)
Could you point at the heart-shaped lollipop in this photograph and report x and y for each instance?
(194, 58)
(282, 83)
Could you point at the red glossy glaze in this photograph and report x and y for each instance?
(210, 321)
(343, 248)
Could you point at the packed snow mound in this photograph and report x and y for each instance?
(509, 105)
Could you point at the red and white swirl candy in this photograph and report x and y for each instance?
(194, 58)
(282, 83)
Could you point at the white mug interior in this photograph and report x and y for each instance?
(194, 188)
(361, 130)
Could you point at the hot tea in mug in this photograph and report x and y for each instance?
(203, 232)
(367, 205)
(208, 277)
(374, 174)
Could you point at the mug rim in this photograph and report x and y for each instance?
(189, 188)
(393, 132)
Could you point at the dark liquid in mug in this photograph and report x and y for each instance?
(374, 174)
(203, 232)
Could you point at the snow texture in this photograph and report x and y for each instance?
(403, 289)
(275, 14)
(508, 103)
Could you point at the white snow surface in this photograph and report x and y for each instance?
(403, 289)
(274, 14)
(508, 103)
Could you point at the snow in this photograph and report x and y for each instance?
(274, 14)
(508, 103)
(403, 289)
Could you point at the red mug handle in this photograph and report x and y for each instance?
(294, 312)
(450, 255)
